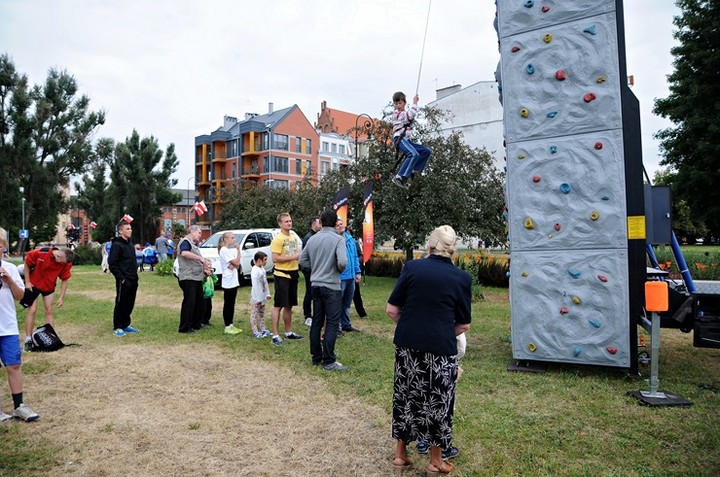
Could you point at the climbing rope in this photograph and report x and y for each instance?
(422, 53)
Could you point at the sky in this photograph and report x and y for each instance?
(173, 69)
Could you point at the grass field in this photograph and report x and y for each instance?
(571, 420)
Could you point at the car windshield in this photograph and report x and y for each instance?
(212, 242)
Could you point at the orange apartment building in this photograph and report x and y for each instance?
(278, 149)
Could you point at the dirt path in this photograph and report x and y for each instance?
(189, 410)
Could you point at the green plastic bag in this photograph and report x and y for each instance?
(209, 286)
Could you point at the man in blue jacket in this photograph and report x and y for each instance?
(349, 277)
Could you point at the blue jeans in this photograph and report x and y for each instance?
(326, 307)
(348, 291)
(416, 157)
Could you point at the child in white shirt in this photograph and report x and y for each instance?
(259, 295)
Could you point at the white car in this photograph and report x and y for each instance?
(251, 241)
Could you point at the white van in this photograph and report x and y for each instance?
(251, 241)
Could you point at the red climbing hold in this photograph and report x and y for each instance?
(589, 97)
(598, 145)
(515, 49)
(557, 227)
(545, 9)
(560, 75)
(564, 310)
(602, 278)
(611, 349)
(536, 178)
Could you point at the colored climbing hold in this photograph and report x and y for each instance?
(595, 323)
(601, 79)
(590, 30)
(574, 273)
(605, 197)
(564, 310)
(557, 227)
(611, 349)
(561, 75)
(515, 49)
(545, 9)
(602, 278)
(529, 4)
(529, 224)
(530, 69)
(577, 351)
(548, 38)
(524, 274)
(553, 149)
(576, 300)
(594, 215)
(565, 188)
(524, 113)
(532, 347)
(598, 146)
(536, 179)
(521, 156)
(551, 114)
(589, 97)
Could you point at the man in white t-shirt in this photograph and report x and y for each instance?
(11, 289)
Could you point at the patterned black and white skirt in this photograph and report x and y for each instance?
(424, 397)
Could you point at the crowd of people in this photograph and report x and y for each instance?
(430, 305)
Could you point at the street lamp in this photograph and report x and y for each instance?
(188, 206)
(22, 240)
(366, 128)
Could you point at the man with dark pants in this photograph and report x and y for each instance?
(315, 226)
(325, 255)
(193, 269)
(122, 265)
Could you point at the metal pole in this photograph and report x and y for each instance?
(22, 201)
(654, 359)
(187, 208)
(366, 127)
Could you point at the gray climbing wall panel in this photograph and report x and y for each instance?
(566, 181)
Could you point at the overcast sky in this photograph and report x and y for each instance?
(173, 69)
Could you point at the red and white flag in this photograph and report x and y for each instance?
(93, 224)
(200, 207)
(127, 218)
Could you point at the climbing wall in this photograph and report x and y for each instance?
(566, 181)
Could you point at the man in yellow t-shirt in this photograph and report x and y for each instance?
(285, 249)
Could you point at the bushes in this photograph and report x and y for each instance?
(86, 255)
(165, 267)
(384, 265)
(703, 265)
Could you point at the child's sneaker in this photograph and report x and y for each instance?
(258, 334)
(266, 333)
(400, 182)
(293, 336)
(232, 330)
(277, 341)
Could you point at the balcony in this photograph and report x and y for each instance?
(220, 159)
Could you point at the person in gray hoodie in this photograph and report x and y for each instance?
(324, 254)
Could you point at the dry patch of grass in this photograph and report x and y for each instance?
(191, 410)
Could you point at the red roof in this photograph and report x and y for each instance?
(341, 122)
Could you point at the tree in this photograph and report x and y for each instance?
(683, 223)
(140, 182)
(692, 147)
(45, 137)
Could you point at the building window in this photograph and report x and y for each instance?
(308, 146)
(298, 167)
(334, 147)
(266, 164)
(276, 184)
(325, 146)
(262, 142)
(280, 141)
(233, 172)
(324, 167)
(279, 164)
(342, 148)
(308, 168)
(298, 144)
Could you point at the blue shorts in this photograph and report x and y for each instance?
(10, 351)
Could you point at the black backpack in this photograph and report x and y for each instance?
(44, 339)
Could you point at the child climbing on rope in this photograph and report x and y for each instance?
(416, 155)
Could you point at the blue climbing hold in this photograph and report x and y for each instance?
(575, 273)
(553, 149)
(595, 323)
(530, 69)
(605, 197)
(590, 30)
(529, 4)
(565, 188)
(551, 114)
(576, 351)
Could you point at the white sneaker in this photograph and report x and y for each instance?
(25, 413)
(232, 330)
(308, 322)
(4, 417)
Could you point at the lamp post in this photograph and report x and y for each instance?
(366, 128)
(22, 202)
(188, 206)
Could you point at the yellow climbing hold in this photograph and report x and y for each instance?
(524, 113)
(521, 156)
(524, 274)
(576, 300)
(532, 347)
(601, 79)
(548, 38)
(529, 224)
(595, 215)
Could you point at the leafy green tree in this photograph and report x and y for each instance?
(686, 226)
(692, 147)
(45, 137)
(93, 195)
